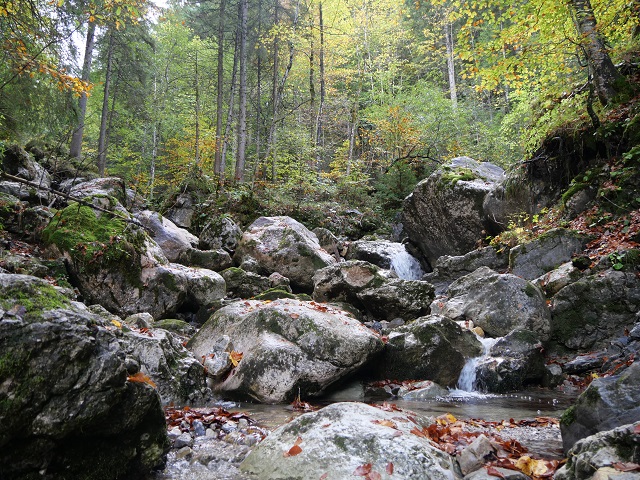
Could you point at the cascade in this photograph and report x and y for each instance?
(467, 377)
(404, 264)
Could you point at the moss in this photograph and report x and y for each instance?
(530, 290)
(568, 416)
(591, 395)
(274, 294)
(93, 241)
(36, 298)
(454, 176)
(572, 190)
(174, 325)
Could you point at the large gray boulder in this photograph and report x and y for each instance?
(283, 245)
(182, 210)
(102, 187)
(448, 269)
(220, 232)
(288, 347)
(180, 379)
(17, 162)
(67, 409)
(607, 403)
(592, 311)
(173, 240)
(545, 253)
(431, 348)
(345, 438)
(388, 255)
(498, 303)
(514, 362)
(369, 289)
(444, 215)
(116, 264)
(594, 457)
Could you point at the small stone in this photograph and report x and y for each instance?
(198, 428)
(229, 427)
(183, 440)
(174, 433)
(243, 423)
(478, 331)
(473, 456)
(183, 453)
(210, 433)
(140, 320)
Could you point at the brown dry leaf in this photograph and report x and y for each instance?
(362, 470)
(419, 433)
(532, 467)
(374, 476)
(493, 472)
(295, 316)
(324, 476)
(627, 466)
(389, 468)
(385, 423)
(235, 357)
(293, 451)
(141, 378)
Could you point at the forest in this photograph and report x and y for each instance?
(297, 101)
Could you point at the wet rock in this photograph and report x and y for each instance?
(430, 348)
(545, 253)
(173, 240)
(594, 310)
(592, 457)
(288, 346)
(342, 437)
(220, 233)
(445, 215)
(425, 390)
(447, 269)
(514, 362)
(498, 303)
(607, 403)
(66, 407)
(283, 245)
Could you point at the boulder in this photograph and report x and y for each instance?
(173, 240)
(430, 348)
(476, 454)
(592, 311)
(180, 379)
(545, 253)
(387, 255)
(283, 245)
(103, 187)
(447, 269)
(66, 405)
(329, 242)
(607, 403)
(182, 210)
(514, 362)
(288, 347)
(555, 280)
(216, 260)
(498, 303)
(369, 289)
(425, 390)
(242, 284)
(116, 264)
(444, 215)
(17, 162)
(220, 233)
(594, 457)
(344, 440)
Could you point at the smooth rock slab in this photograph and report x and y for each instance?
(338, 439)
(288, 346)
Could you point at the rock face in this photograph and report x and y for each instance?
(388, 255)
(220, 232)
(546, 253)
(365, 286)
(105, 187)
(498, 303)
(120, 267)
(288, 346)
(283, 245)
(444, 215)
(179, 377)
(17, 162)
(338, 439)
(607, 403)
(431, 348)
(595, 309)
(593, 457)
(181, 212)
(514, 362)
(173, 240)
(66, 407)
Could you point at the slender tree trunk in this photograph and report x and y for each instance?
(608, 82)
(242, 95)
(102, 139)
(196, 84)
(75, 149)
(271, 148)
(218, 167)
(323, 94)
(448, 35)
(258, 142)
(230, 111)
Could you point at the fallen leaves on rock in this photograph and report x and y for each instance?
(141, 378)
(235, 357)
(295, 450)
(213, 417)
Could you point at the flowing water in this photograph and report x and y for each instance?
(467, 380)
(403, 263)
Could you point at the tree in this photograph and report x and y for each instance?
(242, 94)
(75, 150)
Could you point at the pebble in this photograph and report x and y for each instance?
(198, 429)
(183, 453)
(183, 440)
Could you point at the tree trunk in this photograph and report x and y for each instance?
(448, 35)
(323, 94)
(230, 111)
(197, 113)
(102, 139)
(242, 95)
(218, 167)
(608, 82)
(75, 149)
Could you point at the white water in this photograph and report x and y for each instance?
(404, 264)
(467, 379)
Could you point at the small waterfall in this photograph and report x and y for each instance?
(404, 264)
(467, 377)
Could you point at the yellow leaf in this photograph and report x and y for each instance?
(531, 467)
(235, 357)
(116, 323)
(446, 419)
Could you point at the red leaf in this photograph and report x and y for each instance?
(390, 468)
(492, 471)
(374, 476)
(323, 476)
(363, 470)
(636, 429)
(626, 467)
(293, 451)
